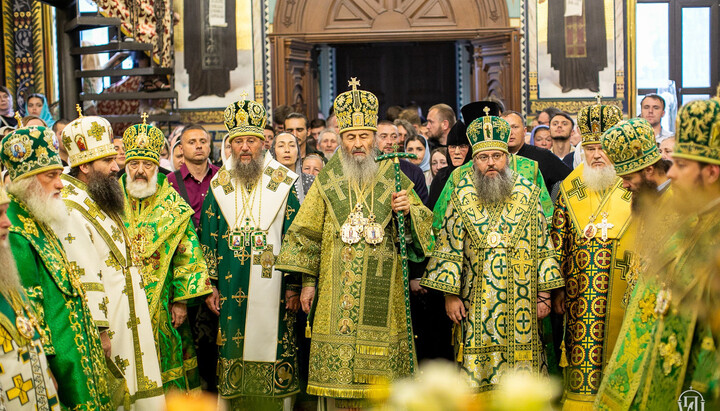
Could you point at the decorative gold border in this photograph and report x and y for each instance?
(569, 106)
(9, 43)
(49, 43)
(630, 58)
(202, 116)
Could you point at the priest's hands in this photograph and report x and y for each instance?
(105, 341)
(400, 202)
(543, 304)
(455, 308)
(306, 298)
(292, 300)
(416, 288)
(213, 301)
(558, 301)
(179, 314)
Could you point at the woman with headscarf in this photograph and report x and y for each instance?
(285, 150)
(7, 112)
(37, 105)
(418, 145)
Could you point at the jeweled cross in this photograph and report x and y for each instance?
(604, 226)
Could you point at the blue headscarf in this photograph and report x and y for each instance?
(425, 164)
(45, 113)
(532, 133)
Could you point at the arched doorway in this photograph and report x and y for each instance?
(299, 25)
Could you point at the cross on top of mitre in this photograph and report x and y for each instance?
(599, 99)
(354, 83)
(144, 117)
(486, 110)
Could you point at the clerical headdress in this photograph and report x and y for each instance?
(88, 139)
(356, 109)
(697, 131)
(594, 120)
(631, 145)
(30, 150)
(488, 133)
(245, 118)
(143, 142)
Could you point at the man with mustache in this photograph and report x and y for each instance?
(594, 249)
(69, 335)
(165, 247)
(250, 205)
(342, 242)
(494, 261)
(20, 336)
(96, 242)
(666, 352)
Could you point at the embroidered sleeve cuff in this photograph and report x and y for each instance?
(444, 287)
(551, 285)
(309, 280)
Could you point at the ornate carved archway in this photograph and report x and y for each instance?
(299, 24)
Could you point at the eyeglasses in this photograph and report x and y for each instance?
(134, 164)
(483, 158)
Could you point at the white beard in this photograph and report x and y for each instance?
(359, 170)
(599, 179)
(141, 188)
(9, 279)
(44, 207)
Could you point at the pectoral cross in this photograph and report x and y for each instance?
(266, 259)
(604, 226)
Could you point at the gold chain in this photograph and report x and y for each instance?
(248, 202)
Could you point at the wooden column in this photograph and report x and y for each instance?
(294, 75)
(496, 69)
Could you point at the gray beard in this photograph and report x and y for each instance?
(106, 192)
(43, 207)
(9, 279)
(599, 179)
(141, 188)
(248, 174)
(495, 189)
(358, 170)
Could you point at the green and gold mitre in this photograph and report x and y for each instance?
(356, 109)
(30, 150)
(488, 133)
(88, 139)
(245, 118)
(631, 145)
(143, 142)
(594, 120)
(697, 131)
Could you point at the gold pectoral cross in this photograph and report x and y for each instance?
(266, 259)
(604, 226)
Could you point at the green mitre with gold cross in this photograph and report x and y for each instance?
(87, 139)
(697, 131)
(356, 109)
(488, 133)
(143, 142)
(245, 118)
(594, 120)
(631, 145)
(30, 150)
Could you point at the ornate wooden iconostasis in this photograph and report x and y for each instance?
(299, 25)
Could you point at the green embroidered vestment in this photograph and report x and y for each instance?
(71, 339)
(173, 270)
(360, 332)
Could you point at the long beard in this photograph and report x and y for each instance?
(139, 188)
(248, 174)
(106, 192)
(43, 206)
(9, 279)
(359, 170)
(599, 179)
(645, 196)
(495, 189)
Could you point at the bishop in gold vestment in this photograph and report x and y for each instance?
(343, 242)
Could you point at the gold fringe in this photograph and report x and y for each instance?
(460, 353)
(370, 379)
(370, 350)
(574, 405)
(308, 330)
(342, 393)
(563, 355)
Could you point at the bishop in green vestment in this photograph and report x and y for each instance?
(26, 381)
(70, 337)
(494, 260)
(248, 209)
(667, 350)
(167, 250)
(343, 242)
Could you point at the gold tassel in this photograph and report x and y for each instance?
(460, 353)
(563, 356)
(308, 330)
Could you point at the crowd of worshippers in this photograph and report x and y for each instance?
(312, 263)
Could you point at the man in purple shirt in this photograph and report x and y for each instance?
(193, 179)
